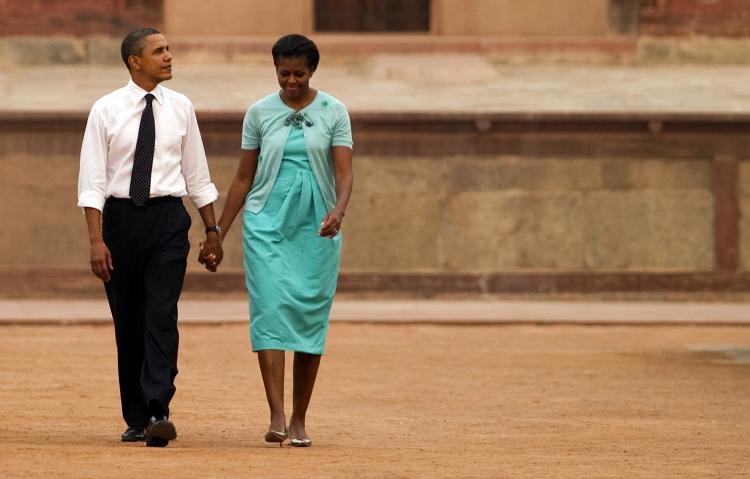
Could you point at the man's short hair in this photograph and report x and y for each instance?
(296, 46)
(132, 44)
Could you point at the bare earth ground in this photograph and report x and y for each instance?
(397, 401)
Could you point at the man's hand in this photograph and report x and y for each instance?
(211, 252)
(101, 260)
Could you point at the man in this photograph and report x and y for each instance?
(141, 152)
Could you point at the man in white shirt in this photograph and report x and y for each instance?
(141, 153)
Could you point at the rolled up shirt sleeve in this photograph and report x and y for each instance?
(195, 166)
(92, 176)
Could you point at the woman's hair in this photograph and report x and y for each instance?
(132, 44)
(296, 46)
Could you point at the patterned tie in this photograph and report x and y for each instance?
(140, 180)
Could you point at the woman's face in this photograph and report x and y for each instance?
(294, 76)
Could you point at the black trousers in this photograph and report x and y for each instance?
(149, 247)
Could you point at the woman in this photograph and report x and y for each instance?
(294, 180)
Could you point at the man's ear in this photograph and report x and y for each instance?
(134, 62)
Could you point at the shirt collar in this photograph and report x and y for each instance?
(137, 93)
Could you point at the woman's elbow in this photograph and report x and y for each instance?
(243, 182)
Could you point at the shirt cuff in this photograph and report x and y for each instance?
(91, 199)
(206, 195)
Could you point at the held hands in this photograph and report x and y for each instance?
(211, 252)
(101, 260)
(331, 223)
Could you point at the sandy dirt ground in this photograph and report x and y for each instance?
(397, 401)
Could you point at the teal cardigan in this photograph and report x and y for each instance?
(265, 128)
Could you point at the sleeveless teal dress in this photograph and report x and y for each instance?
(290, 271)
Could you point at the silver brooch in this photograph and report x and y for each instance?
(298, 119)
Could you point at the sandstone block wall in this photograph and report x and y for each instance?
(619, 208)
(77, 17)
(730, 18)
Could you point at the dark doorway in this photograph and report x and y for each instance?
(372, 15)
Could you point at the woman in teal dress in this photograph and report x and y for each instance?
(294, 180)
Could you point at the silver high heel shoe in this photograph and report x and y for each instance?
(276, 436)
(300, 442)
(295, 442)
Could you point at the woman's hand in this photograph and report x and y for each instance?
(331, 223)
(211, 252)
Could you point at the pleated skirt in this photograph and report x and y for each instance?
(290, 272)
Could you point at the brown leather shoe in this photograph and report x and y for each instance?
(159, 432)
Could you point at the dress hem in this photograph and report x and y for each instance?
(284, 347)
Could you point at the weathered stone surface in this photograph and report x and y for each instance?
(393, 231)
(649, 230)
(694, 49)
(405, 174)
(531, 174)
(103, 50)
(744, 232)
(744, 220)
(394, 214)
(445, 214)
(575, 174)
(712, 50)
(48, 231)
(78, 17)
(39, 200)
(5, 59)
(675, 174)
(474, 68)
(40, 171)
(623, 174)
(45, 50)
(654, 50)
(688, 18)
(495, 231)
(744, 178)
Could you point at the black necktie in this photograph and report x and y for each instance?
(140, 180)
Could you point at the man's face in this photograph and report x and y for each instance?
(155, 61)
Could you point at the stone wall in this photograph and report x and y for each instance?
(532, 18)
(685, 18)
(443, 196)
(508, 213)
(591, 31)
(449, 214)
(243, 18)
(77, 17)
(744, 217)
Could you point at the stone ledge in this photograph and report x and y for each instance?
(616, 121)
(82, 284)
(30, 312)
(102, 50)
(693, 49)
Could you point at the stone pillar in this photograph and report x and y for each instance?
(726, 212)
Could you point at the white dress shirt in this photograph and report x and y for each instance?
(179, 168)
